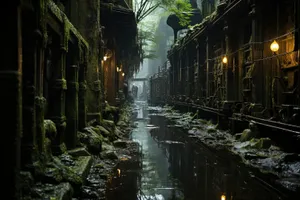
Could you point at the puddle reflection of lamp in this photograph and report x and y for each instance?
(119, 172)
(223, 197)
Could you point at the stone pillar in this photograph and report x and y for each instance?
(57, 102)
(207, 68)
(97, 89)
(197, 81)
(39, 100)
(29, 89)
(226, 66)
(82, 97)
(72, 107)
(257, 52)
(11, 99)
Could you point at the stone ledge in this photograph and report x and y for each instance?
(82, 166)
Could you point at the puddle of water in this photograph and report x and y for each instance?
(156, 180)
(200, 173)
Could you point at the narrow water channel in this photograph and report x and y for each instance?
(176, 167)
(156, 180)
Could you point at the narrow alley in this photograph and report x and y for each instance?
(150, 100)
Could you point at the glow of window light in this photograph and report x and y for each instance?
(105, 58)
(119, 172)
(225, 60)
(223, 197)
(123, 74)
(274, 46)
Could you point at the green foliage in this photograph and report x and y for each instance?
(182, 9)
(148, 40)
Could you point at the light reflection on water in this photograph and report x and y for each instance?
(156, 181)
(204, 174)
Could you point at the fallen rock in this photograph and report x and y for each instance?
(67, 173)
(122, 124)
(52, 175)
(247, 135)
(79, 152)
(212, 128)
(66, 159)
(107, 147)
(111, 155)
(91, 139)
(99, 165)
(120, 143)
(103, 131)
(63, 191)
(118, 132)
(263, 143)
(89, 193)
(108, 125)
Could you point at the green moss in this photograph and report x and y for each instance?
(43, 11)
(263, 143)
(195, 115)
(63, 148)
(211, 130)
(67, 26)
(202, 121)
(81, 52)
(250, 71)
(64, 84)
(247, 135)
(67, 173)
(55, 10)
(40, 102)
(100, 166)
(50, 129)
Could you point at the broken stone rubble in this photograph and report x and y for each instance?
(259, 153)
(82, 172)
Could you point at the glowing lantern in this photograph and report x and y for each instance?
(123, 74)
(274, 46)
(225, 60)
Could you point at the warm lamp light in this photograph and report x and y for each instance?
(225, 60)
(223, 197)
(118, 69)
(105, 58)
(123, 74)
(274, 46)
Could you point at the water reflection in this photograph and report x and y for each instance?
(156, 182)
(207, 174)
(201, 173)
